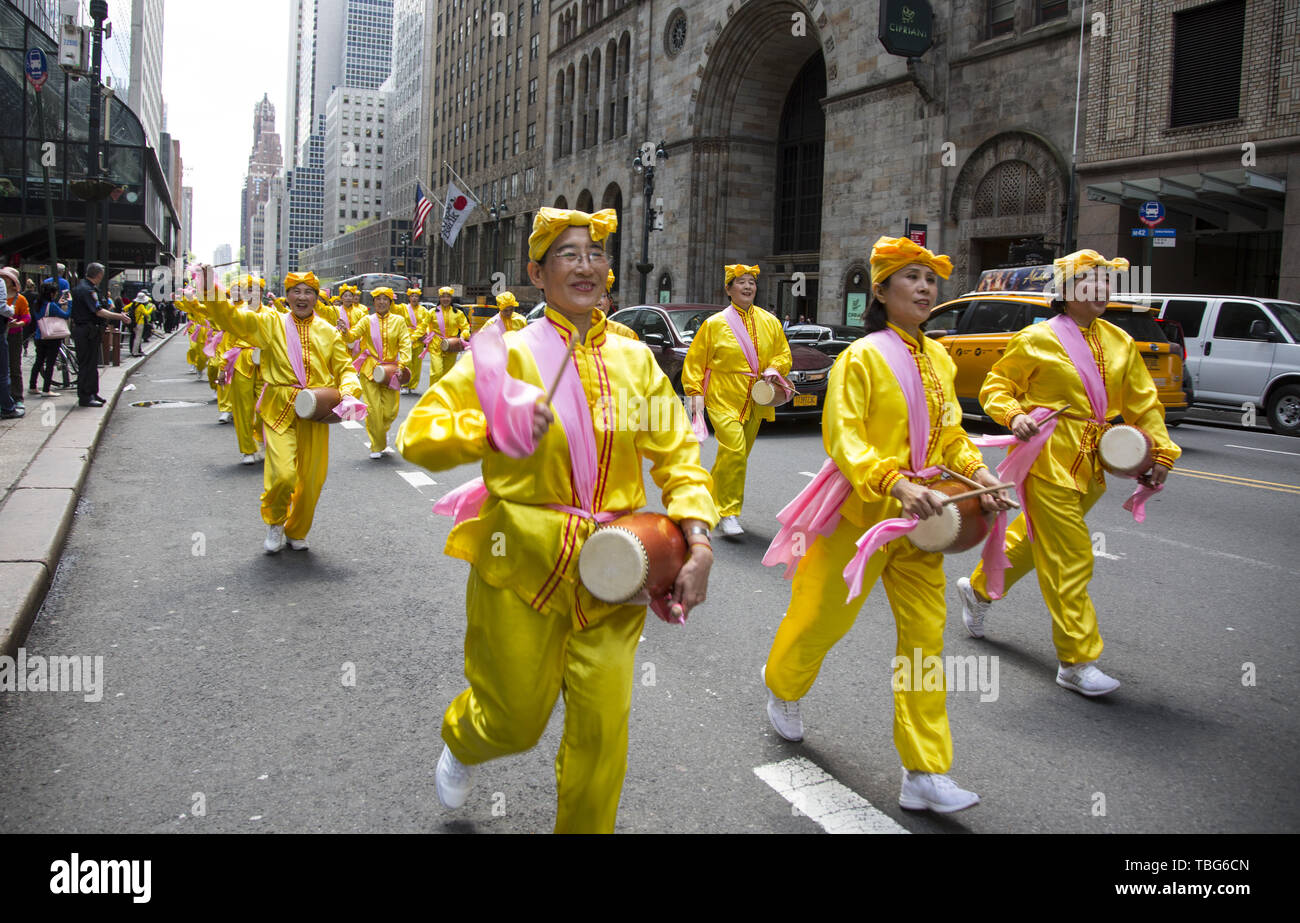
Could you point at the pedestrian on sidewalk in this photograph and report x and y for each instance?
(19, 323)
(53, 303)
(9, 409)
(88, 318)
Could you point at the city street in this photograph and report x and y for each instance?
(228, 702)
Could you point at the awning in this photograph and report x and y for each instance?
(1235, 200)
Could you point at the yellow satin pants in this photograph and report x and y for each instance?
(818, 616)
(415, 366)
(242, 394)
(296, 463)
(735, 442)
(383, 403)
(1061, 552)
(518, 661)
(439, 364)
(212, 383)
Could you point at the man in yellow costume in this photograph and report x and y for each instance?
(732, 350)
(1079, 362)
(239, 373)
(299, 350)
(534, 632)
(445, 333)
(416, 317)
(382, 337)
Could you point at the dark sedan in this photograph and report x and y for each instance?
(831, 339)
(669, 328)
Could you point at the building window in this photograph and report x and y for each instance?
(1002, 17)
(1208, 43)
(800, 153)
(532, 135)
(533, 44)
(532, 91)
(1052, 9)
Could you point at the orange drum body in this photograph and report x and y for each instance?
(385, 370)
(1126, 451)
(640, 551)
(317, 404)
(960, 527)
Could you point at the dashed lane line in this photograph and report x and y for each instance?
(815, 793)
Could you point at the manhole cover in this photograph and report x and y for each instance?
(166, 404)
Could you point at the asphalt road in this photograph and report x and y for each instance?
(225, 709)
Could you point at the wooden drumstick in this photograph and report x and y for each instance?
(568, 357)
(971, 483)
(975, 493)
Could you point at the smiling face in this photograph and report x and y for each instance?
(302, 300)
(743, 290)
(444, 299)
(1087, 295)
(909, 295)
(348, 299)
(382, 304)
(572, 272)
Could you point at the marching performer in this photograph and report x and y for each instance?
(733, 349)
(299, 350)
(445, 333)
(416, 317)
(886, 430)
(534, 631)
(1082, 364)
(239, 374)
(506, 318)
(382, 337)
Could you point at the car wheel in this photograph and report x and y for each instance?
(1284, 410)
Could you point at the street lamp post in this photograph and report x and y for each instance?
(497, 211)
(646, 159)
(98, 13)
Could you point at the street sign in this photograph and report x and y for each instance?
(916, 233)
(1138, 232)
(1164, 242)
(38, 68)
(906, 27)
(1151, 213)
(1164, 232)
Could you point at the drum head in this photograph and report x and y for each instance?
(764, 393)
(1123, 447)
(613, 565)
(938, 532)
(305, 403)
(256, 355)
(378, 374)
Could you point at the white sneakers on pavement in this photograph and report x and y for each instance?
(389, 450)
(783, 714)
(933, 791)
(224, 417)
(249, 459)
(376, 455)
(274, 539)
(730, 526)
(1085, 679)
(298, 544)
(453, 779)
(973, 609)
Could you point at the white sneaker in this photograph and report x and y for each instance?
(389, 450)
(730, 525)
(249, 459)
(224, 417)
(274, 539)
(783, 714)
(1085, 679)
(933, 791)
(298, 544)
(453, 779)
(973, 609)
(376, 455)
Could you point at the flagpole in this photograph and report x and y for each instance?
(468, 188)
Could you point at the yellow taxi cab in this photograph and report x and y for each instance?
(975, 329)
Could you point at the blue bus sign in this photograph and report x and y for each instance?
(38, 68)
(1151, 213)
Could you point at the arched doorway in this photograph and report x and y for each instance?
(613, 198)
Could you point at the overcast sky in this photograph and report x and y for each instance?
(218, 61)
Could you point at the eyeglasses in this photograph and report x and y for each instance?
(595, 258)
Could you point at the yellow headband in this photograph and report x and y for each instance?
(354, 289)
(729, 273)
(447, 290)
(609, 281)
(376, 292)
(297, 278)
(507, 300)
(247, 282)
(890, 254)
(415, 291)
(1067, 267)
(550, 223)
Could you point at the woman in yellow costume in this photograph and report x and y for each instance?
(239, 374)
(444, 334)
(732, 350)
(887, 426)
(141, 310)
(506, 318)
(299, 350)
(382, 337)
(416, 317)
(1082, 364)
(534, 632)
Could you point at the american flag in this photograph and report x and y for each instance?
(423, 205)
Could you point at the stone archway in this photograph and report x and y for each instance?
(1013, 185)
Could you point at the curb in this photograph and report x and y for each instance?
(37, 514)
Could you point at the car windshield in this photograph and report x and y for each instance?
(689, 321)
(1140, 325)
(1288, 312)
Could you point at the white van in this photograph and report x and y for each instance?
(1240, 351)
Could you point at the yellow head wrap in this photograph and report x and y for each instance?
(354, 289)
(375, 292)
(248, 282)
(890, 254)
(415, 291)
(447, 290)
(281, 304)
(550, 223)
(609, 281)
(297, 278)
(507, 300)
(729, 273)
(1067, 267)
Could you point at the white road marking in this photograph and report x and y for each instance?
(835, 807)
(1251, 448)
(416, 479)
(1108, 557)
(1213, 552)
(352, 424)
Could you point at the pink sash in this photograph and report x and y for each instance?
(349, 408)
(210, 345)
(230, 356)
(738, 329)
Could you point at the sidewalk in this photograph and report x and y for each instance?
(44, 458)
